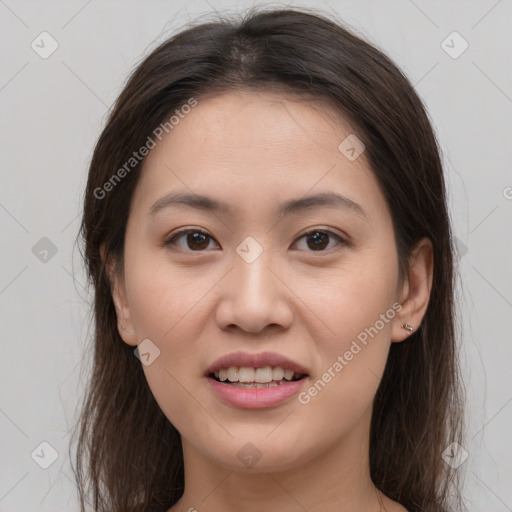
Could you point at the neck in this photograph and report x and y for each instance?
(337, 479)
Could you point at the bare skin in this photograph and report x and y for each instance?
(197, 303)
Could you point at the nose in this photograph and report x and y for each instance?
(254, 297)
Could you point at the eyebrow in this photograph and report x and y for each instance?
(208, 204)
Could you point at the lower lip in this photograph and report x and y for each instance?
(255, 398)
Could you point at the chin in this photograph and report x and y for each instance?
(257, 453)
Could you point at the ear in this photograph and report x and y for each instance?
(415, 290)
(118, 288)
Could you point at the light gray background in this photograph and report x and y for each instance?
(52, 112)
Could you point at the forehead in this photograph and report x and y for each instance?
(250, 120)
(255, 148)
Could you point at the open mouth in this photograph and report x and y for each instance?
(266, 377)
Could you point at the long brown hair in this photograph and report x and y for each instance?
(129, 455)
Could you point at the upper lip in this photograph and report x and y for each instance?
(260, 360)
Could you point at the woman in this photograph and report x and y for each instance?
(266, 231)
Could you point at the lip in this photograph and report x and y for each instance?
(255, 398)
(255, 361)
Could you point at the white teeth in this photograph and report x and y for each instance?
(277, 373)
(288, 374)
(263, 375)
(266, 376)
(246, 374)
(233, 374)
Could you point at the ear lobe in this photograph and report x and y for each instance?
(119, 297)
(415, 293)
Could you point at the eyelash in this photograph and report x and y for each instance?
(175, 236)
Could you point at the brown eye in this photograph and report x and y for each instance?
(195, 240)
(319, 240)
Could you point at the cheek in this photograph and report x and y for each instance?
(358, 308)
(167, 310)
(340, 396)
(355, 298)
(162, 295)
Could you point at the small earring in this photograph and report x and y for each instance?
(123, 327)
(407, 327)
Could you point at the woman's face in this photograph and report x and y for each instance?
(248, 283)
